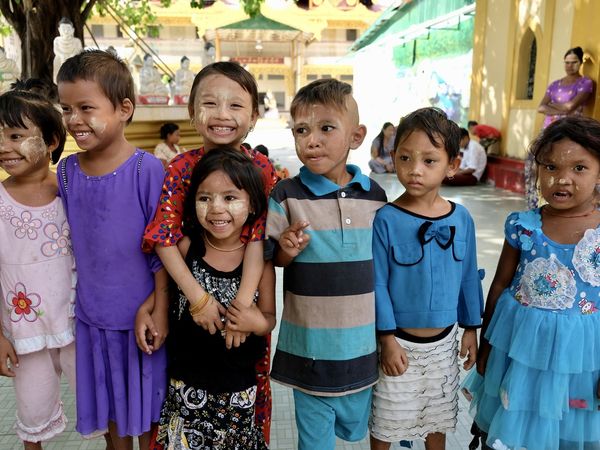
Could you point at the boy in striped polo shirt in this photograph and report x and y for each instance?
(322, 222)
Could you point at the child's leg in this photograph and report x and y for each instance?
(315, 421)
(376, 444)
(40, 413)
(118, 442)
(435, 441)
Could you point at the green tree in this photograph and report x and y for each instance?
(36, 23)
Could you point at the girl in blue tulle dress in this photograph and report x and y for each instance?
(540, 358)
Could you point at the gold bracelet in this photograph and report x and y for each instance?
(200, 304)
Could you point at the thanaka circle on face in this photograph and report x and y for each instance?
(222, 209)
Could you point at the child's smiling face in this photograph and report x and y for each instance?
(23, 150)
(89, 115)
(222, 208)
(223, 112)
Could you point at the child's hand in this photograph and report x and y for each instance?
(209, 317)
(468, 348)
(293, 239)
(145, 329)
(393, 357)
(247, 319)
(7, 353)
(234, 338)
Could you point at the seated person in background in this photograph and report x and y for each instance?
(472, 164)
(381, 149)
(168, 148)
(486, 134)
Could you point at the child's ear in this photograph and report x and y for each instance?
(126, 109)
(453, 167)
(358, 136)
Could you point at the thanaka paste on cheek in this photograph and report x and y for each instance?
(33, 149)
(201, 210)
(97, 126)
(237, 207)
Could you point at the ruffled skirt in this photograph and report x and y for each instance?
(116, 382)
(541, 379)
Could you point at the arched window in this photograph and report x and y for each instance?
(526, 66)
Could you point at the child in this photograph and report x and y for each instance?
(223, 107)
(110, 191)
(541, 322)
(321, 220)
(426, 281)
(212, 389)
(37, 278)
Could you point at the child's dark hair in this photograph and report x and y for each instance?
(18, 104)
(104, 68)
(464, 133)
(472, 123)
(168, 128)
(577, 51)
(441, 131)
(244, 175)
(234, 72)
(45, 88)
(326, 91)
(584, 131)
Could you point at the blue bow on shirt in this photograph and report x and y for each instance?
(443, 234)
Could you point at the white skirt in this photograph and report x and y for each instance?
(422, 400)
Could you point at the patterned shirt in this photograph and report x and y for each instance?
(165, 228)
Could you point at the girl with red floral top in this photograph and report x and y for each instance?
(223, 107)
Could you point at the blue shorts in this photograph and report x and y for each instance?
(321, 419)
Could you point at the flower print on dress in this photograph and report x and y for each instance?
(547, 284)
(586, 257)
(23, 305)
(6, 211)
(26, 225)
(530, 221)
(50, 213)
(60, 240)
(244, 399)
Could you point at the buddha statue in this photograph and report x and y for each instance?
(150, 79)
(8, 71)
(65, 44)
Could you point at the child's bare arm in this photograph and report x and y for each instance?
(507, 266)
(252, 272)
(208, 317)
(468, 348)
(393, 357)
(257, 318)
(291, 243)
(161, 305)
(7, 353)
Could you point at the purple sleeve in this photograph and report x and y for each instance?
(585, 85)
(152, 174)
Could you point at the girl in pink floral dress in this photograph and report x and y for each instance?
(37, 277)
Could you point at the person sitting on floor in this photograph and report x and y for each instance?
(472, 164)
(486, 134)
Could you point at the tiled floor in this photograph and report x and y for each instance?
(489, 208)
